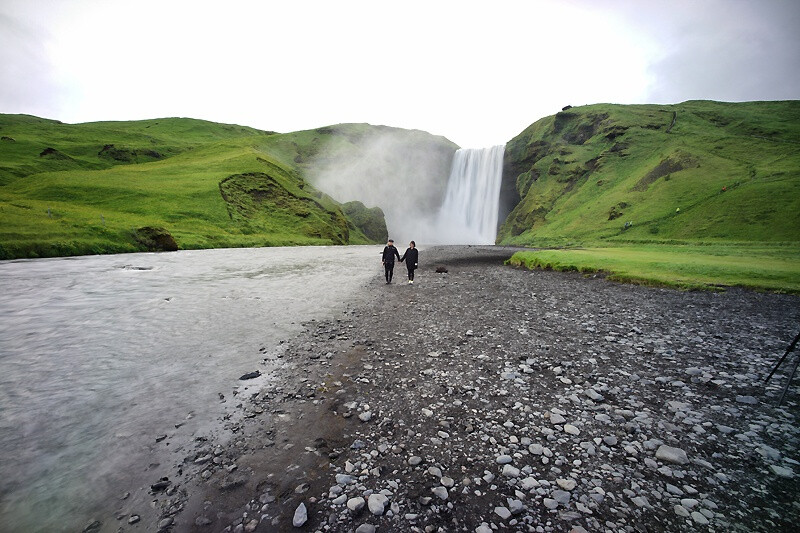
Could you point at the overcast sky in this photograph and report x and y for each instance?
(475, 72)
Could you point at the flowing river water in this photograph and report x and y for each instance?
(100, 354)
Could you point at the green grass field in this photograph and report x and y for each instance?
(72, 189)
(768, 266)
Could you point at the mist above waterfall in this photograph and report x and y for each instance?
(404, 172)
(428, 190)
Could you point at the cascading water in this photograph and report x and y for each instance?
(469, 212)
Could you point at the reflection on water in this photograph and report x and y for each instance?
(100, 354)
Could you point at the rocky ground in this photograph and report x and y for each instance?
(490, 398)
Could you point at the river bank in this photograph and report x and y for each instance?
(491, 398)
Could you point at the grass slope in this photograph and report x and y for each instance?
(698, 194)
(732, 171)
(68, 189)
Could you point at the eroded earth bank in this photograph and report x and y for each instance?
(489, 398)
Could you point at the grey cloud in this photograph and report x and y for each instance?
(729, 50)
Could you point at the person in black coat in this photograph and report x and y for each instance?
(411, 257)
(389, 253)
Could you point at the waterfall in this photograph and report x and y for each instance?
(469, 212)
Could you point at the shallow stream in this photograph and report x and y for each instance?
(101, 354)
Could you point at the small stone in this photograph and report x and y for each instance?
(300, 515)
(202, 521)
(749, 400)
(504, 459)
(556, 418)
(435, 471)
(447, 482)
(356, 504)
(561, 496)
(344, 479)
(502, 512)
(566, 484)
(671, 455)
(440, 492)
(572, 430)
(593, 394)
(515, 506)
(550, 503)
(781, 471)
(414, 460)
(165, 523)
(134, 518)
(610, 440)
(510, 471)
(377, 503)
(699, 519)
(365, 417)
(680, 510)
(365, 528)
(483, 528)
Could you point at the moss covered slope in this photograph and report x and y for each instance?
(68, 189)
(696, 171)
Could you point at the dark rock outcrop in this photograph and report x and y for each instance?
(154, 239)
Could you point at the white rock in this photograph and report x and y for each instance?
(515, 506)
(414, 460)
(699, 518)
(671, 455)
(504, 459)
(680, 510)
(502, 512)
(556, 418)
(440, 492)
(365, 528)
(483, 528)
(572, 430)
(510, 471)
(447, 482)
(356, 504)
(365, 417)
(377, 503)
(566, 484)
(300, 515)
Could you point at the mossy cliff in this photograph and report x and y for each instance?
(699, 170)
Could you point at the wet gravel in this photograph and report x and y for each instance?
(490, 398)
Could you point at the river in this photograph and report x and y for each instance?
(101, 354)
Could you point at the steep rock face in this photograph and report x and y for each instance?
(697, 170)
(371, 222)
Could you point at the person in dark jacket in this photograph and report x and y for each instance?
(411, 257)
(389, 253)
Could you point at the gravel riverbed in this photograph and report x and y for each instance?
(490, 398)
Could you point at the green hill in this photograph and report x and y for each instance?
(699, 171)
(68, 189)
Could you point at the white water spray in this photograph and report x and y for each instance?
(469, 212)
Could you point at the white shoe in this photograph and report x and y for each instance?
(411, 281)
